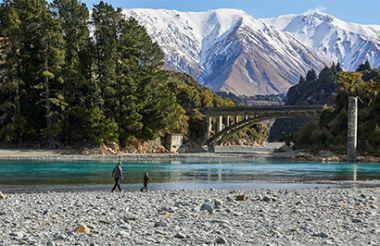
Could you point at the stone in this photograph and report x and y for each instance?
(126, 227)
(60, 237)
(163, 224)
(207, 207)
(16, 234)
(217, 203)
(267, 198)
(83, 229)
(241, 198)
(50, 243)
(321, 234)
(355, 220)
(180, 235)
(221, 240)
(2, 196)
(165, 213)
(220, 221)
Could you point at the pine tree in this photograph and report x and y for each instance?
(311, 75)
(36, 66)
(11, 120)
(105, 20)
(50, 47)
(77, 89)
(302, 80)
(364, 67)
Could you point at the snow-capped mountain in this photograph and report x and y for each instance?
(349, 44)
(229, 50)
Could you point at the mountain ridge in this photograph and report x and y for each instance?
(350, 44)
(229, 50)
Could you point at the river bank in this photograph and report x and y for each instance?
(223, 153)
(209, 217)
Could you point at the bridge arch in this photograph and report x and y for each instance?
(251, 116)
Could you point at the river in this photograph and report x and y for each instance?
(86, 175)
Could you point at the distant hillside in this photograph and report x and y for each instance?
(258, 100)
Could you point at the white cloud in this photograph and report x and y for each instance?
(318, 9)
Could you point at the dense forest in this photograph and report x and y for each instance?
(329, 131)
(71, 78)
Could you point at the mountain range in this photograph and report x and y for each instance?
(229, 50)
(349, 44)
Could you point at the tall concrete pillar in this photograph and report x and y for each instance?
(227, 121)
(352, 128)
(219, 123)
(209, 127)
(236, 119)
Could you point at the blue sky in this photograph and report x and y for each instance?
(357, 11)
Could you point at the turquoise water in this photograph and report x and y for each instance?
(48, 175)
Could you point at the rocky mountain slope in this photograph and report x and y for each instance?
(229, 50)
(349, 44)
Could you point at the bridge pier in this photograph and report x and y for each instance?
(352, 128)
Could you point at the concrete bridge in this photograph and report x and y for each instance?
(244, 117)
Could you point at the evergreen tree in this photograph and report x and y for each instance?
(326, 78)
(302, 80)
(311, 75)
(11, 120)
(105, 20)
(36, 66)
(50, 48)
(78, 90)
(364, 67)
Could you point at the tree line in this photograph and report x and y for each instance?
(69, 77)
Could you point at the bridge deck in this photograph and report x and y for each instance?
(247, 109)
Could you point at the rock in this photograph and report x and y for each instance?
(83, 229)
(267, 198)
(207, 207)
(165, 213)
(221, 240)
(16, 234)
(163, 224)
(50, 243)
(180, 235)
(321, 234)
(217, 203)
(160, 232)
(60, 237)
(126, 227)
(241, 198)
(2, 196)
(220, 221)
(129, 218)
(85, 151)
(354, 220)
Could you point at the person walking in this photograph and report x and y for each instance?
(117, 174)
(146, 182)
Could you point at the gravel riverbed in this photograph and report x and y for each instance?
(335, 216)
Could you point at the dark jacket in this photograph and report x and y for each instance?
(146, 180)
(117, 172)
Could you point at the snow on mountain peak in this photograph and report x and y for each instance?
(229, 50)
(350, 44)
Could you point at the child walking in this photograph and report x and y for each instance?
(146, 182)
